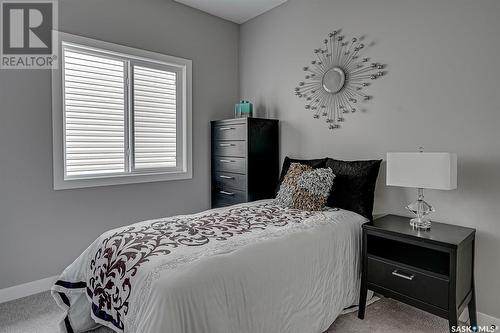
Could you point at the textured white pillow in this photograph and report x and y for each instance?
(305, 188)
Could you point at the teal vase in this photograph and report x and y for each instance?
(243, 109)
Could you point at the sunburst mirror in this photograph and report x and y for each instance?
(336, 80)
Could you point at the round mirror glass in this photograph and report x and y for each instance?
(333, 80)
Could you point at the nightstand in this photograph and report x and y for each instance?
(432, 270)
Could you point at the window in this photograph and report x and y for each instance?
(121, 115)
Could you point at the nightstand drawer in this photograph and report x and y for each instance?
(230, 148)
(411, 283)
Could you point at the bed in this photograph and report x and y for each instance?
(249, 268)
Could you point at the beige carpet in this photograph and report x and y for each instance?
(390, 316)
(39, 314)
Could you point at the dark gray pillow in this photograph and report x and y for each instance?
(354, 185)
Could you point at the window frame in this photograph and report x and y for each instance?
(130, 56)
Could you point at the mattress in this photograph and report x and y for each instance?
(249, 268)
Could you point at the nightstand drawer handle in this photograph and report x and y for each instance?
(401, 275)
(226, 128)
(227, 145)
(227, 161)
(226, 193)
(226, 177)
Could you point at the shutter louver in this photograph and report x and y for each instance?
(155, 120)
(94, 110)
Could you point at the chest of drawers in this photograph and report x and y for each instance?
(245, 160)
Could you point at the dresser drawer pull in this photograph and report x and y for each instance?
(226, 177)
(227, 161)
(401, 275)
(226, 193)
(226, 128)
(227, 145)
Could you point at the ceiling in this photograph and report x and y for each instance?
(238, 11)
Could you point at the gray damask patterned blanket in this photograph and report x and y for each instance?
(117, 270)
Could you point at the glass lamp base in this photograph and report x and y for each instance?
(421, 209)
(420, 223)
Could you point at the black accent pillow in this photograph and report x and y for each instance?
(315, 164)
(354, 185)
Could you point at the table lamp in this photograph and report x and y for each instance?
(422, 170)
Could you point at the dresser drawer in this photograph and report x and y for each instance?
(226, 197)
(230, 148)
(230, 164)
(230, 132)
(408, 282)
(231, 180)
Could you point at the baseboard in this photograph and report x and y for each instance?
(26, 289)
(487, 320)
(482, 319)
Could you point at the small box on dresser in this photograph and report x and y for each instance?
(245, 160)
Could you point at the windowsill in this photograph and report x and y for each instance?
(60, 184)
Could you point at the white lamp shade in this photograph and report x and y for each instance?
(422, 170)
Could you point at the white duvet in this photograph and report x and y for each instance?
(250, 268)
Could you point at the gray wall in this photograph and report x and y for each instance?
(42, 230)
(441, 93)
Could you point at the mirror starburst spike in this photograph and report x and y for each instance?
(335, 81)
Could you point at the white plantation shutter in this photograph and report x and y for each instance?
(94, 114)
(120, 115)
(155, 118)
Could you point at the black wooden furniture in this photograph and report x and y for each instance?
(245, 160)
(431, 270)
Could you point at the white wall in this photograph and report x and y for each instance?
(442, 93)
(42, 230)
